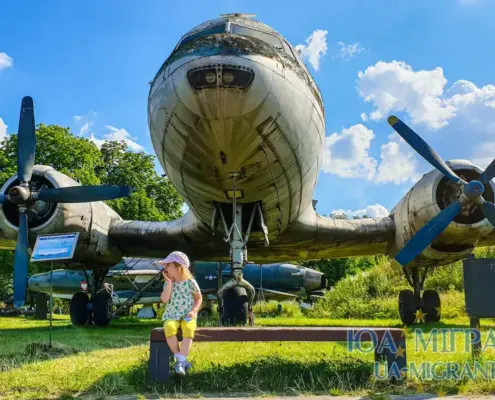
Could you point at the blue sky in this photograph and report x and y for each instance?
(430, 62)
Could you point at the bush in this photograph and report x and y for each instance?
(373, 293)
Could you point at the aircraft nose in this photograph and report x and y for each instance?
(213, 90)
(38, 283)
(314, 280)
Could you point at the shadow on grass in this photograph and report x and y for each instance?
(266, 375)
(26, 346)
(35, 352)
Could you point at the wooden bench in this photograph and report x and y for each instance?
(389, 343)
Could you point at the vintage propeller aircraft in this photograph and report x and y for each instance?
(237, 122)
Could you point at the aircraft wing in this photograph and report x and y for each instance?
(310, 237)
(157, 239)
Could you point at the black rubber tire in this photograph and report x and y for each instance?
(205, 312)
(79, 309)
(407, 307)
(235, 307)
(102, 309)
(431, 305)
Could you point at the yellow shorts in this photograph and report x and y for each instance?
(188, 328)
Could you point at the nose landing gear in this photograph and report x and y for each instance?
(236, 296)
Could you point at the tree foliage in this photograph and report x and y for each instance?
(339, 268)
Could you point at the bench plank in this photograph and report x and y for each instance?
(276, 334)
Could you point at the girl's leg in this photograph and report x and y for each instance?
(173, 343)
(188, 329)
(170, 327)
(186, 346)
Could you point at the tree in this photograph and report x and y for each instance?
(154, 198)
(338, 268)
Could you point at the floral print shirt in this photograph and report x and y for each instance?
(181, 299)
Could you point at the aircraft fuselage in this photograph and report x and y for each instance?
(235, 97)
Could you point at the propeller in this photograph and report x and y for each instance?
(472, 194)
(24, 198)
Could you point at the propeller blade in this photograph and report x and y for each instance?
(3, 198)
(488, 210)
(83, 194)
(426, 235)
(488, 173)
(26, 141)
(423, 149)
(21, 261)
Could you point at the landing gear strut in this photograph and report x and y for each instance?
(236, 296)
(410, 302)
(98, 309)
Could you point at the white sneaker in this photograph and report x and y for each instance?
(179, 368)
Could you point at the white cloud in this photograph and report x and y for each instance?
(97, 142)
(122, 134)
(117, 134)
(5, 61)
(78, 117)
(348, 51)
(373, 211)
(184, 208)
(364, 117)
(315, 48)
(3, 129)
(397, 165)
(85, 128)
(484, 153)
(346, 153)
(395, 86)
(463, 116)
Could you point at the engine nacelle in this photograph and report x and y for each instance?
(91, 220)
(430, 195)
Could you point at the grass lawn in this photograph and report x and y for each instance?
(113, 361)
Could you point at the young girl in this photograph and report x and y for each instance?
(182, 297)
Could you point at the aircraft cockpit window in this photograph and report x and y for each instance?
(222, 28)
(265, 37)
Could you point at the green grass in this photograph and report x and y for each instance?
(113, 361)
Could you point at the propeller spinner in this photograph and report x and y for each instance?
(472, 194)
(24, 198)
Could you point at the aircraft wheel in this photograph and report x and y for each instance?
(205, 312)
(431, 306)
(102, 308)
(79, 308)
(407, 307)
(235, 307)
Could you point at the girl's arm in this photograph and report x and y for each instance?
(198, 300)
(167, 290)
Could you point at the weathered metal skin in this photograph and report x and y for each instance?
(421, 204)
(273, 132)
(91, 220)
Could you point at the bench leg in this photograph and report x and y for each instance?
(397, 361)
(159, 364)
(474, 323)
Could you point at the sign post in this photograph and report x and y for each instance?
(51, 248)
